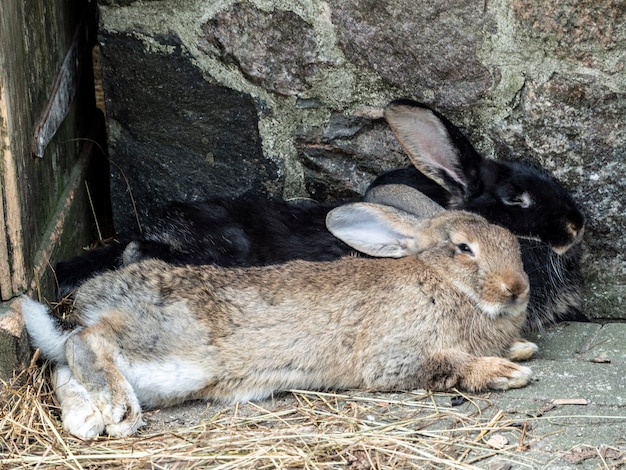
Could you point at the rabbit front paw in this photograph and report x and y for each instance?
(521, 350)
(495, 373)
(516, 378)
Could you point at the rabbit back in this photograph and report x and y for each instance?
(222, 231)
(257, 233)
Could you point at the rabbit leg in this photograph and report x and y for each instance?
(80, 416)
(521, 350)
(91, 358)
(448, 369)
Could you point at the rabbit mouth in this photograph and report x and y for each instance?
(577, 236)
(572, 236)
(512, 307)
(561, 250)
(558, 249)
(496, 310)
(509, 300)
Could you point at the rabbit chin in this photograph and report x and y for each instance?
(561, 250)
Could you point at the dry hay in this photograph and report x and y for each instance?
(301, 430)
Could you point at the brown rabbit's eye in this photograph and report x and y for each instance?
(465, 249)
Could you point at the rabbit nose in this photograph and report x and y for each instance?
(517, 287)
(576, 231)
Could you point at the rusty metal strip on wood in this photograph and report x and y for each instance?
(63, 92)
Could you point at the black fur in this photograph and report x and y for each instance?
(241, 232)
(73, 272)
(226, 232)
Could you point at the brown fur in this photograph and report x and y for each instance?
(436, 318)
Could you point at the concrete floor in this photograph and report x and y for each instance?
(577, 399)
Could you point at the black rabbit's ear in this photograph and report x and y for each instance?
(436, 147)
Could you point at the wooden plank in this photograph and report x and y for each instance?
(12, 269)
(5, 270)
(55, 234)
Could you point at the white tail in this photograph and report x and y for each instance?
(43, 330)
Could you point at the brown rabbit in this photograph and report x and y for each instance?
(440, 314)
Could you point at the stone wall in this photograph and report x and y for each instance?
(283, 99)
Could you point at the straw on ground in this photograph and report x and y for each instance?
(302, 429)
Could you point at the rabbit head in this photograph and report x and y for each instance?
(518, 195)
(480, 259)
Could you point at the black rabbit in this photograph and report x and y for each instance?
(520, 196)
(227, 232)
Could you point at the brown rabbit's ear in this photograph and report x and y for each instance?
(375, 229)
(405, 198)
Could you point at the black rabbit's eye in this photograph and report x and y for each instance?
(464, 248)
(521, 199)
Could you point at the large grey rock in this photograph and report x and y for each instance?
(275, 50)
(430, 50)
(173, 134)
(343, 157)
